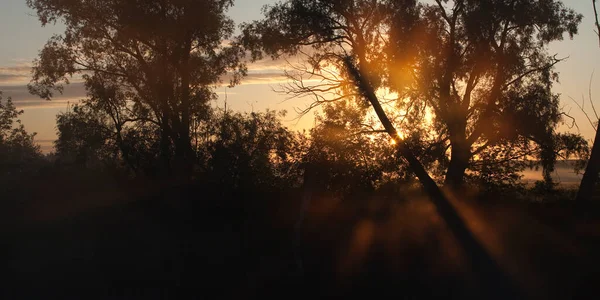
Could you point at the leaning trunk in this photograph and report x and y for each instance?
(494, 278)
(592, 171)
(590, 177)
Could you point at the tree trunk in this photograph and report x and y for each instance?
(590, 177)
(455, 176)
(592, 171)
(460, 153)
(164, 152)
(428, 183)
(165, 145)
(184, 153)
(494, 280)
(124, 149)
(459, 161)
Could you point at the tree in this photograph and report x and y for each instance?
(160, 59)
(343, 162)
(250, 151)
(379, 45)
(18, 151)
(84, 137)
(475, 66)
(101, 130)
(592, 171)
(349, 156)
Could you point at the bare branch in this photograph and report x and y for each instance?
(581, 107)
(590, 96)
(573, 122)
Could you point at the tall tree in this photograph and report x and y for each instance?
(480, 68)
(162, 56)
(592, 171)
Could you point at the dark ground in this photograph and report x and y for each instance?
(144, 241)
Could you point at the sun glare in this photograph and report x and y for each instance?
(428, 116)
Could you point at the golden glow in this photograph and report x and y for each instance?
(428, 116)
(393, 141)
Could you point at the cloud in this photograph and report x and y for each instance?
(264, 78)
(44, 104)
(270, 71)
(265, 71)
(14, 79)
(24, 100)
(20, 74)
(259, 76)
(267, 64)
(15, 74)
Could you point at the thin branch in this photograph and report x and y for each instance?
(573, 122)
(581, 107)
(590, 96)
(368, 132)
(546, 67)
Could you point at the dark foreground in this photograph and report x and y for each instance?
(152, 242)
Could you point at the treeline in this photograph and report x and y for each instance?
(471, 103)
(237, 151)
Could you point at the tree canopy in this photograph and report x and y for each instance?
(19, 154)
(151, 61)
(480, 70)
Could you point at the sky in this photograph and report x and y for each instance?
(22, 37)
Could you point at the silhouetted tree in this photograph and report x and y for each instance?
(103, 129)
(479, 68)
(349, 156)
(19, 154)
(162, 59)
(84, 137)
(592, 171)
(250, 151)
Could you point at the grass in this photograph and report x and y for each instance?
(144, 240)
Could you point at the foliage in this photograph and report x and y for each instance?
(346, 158)
(474, 66)
(95, 138)
(161, 59)
(20, 156)
(248, 151)
(83, 137)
